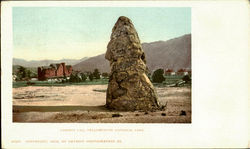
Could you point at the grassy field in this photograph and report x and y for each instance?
(169, 80)
(46, 83)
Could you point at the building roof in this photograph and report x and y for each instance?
(54, 66)
(45, 67)
(169, 70)
(181, 70)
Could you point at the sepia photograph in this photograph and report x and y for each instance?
(102, 64)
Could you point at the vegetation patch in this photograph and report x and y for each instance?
(46, 83)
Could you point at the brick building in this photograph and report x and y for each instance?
(169, 72)
(184, 72)
(54, 71)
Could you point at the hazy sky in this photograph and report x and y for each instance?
(76, 32)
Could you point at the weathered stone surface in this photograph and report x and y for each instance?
(129, 87)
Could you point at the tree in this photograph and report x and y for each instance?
(84, 77)
(158, 76)
(186, 78)
(28, 73)
(96, 74)
(22, 71)
(91, 77)
(105, 75)
(72, 78)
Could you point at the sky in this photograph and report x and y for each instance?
(76, 32)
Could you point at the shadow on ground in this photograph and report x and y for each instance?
(59, 108)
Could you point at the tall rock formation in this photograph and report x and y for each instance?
(129, 88)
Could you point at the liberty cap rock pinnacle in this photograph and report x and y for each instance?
(129, 88)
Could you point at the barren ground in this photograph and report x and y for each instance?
(85, 103)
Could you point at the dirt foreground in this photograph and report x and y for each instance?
(72, 104)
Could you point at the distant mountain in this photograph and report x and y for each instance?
(174, 54)
(36, 63)
(90, 64)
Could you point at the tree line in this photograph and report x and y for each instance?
(23, 73)
(82, 77)
(157, 76)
